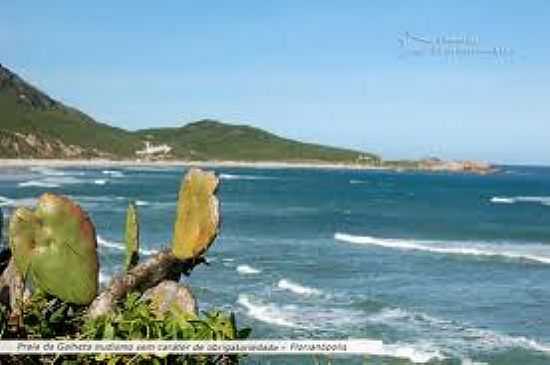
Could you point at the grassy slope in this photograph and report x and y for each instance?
(212, 140)
(50, 120)
(66, 124)
(25, 109)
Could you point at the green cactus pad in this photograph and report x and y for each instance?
(197, 217)
(55, 245)
(131, 237)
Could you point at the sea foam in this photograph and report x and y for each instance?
(47, 171)
(38, 184)
(533, 253)
(296, 288)
(118, 246)
(244, 177)
(451, 337)
(544, 200)
(293, 317)
(268, 313)
(51, 182)
(4, 202)
(113, 173)
(247, 270)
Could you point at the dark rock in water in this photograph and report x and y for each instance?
(170, 295)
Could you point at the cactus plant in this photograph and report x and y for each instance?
(55, 246)
(223, 325)
(197, 215)
(131, 237)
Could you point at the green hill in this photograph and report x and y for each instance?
(33, 125)
(212, 140)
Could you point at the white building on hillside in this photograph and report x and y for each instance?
(151, 149)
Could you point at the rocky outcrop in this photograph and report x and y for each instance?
(30, 145)
(456, 166)
(169, 295)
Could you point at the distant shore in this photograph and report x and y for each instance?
(467, 167)
(171, 163)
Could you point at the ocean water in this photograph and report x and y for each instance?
(442, 268)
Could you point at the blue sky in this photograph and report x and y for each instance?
(321, 71)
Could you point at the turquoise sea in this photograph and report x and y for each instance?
(452, 268)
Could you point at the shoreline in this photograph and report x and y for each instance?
(443, 167)
(182, 163)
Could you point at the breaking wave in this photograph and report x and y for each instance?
(104, 278)
(118, 246)
(268, 313)
(38, 184)
(113, 173)
(244, 177)
(451, 337)
(247, 270)
(291, 316)
(47, 171)
(297, 288)
(4, 202)
(535, 253)
(8, 202)
(51, 182)
(544, 200)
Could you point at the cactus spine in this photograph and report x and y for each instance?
(131, 237)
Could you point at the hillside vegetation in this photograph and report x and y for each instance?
(34, 125)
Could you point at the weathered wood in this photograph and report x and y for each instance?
(162, 266)
(12, 290)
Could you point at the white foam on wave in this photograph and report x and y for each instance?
(296, 288)
(47, 171)
(113, 173)
(142, 203)
(4, 202)
(8, 202)
(450, 337)
(544, 200)
(268, 313)
(358, 182)
(399, 350)
(244, 177)
(529, 252)
(104, 278)
(499, 200)
(247, 270)
(118, 246)
(294, 317)
(100, 181)
(51, 182)
(38, 184)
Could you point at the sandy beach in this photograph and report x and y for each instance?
(208, 164)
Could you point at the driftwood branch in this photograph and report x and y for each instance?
(196, 227)
(162, 266)
(12, 290)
